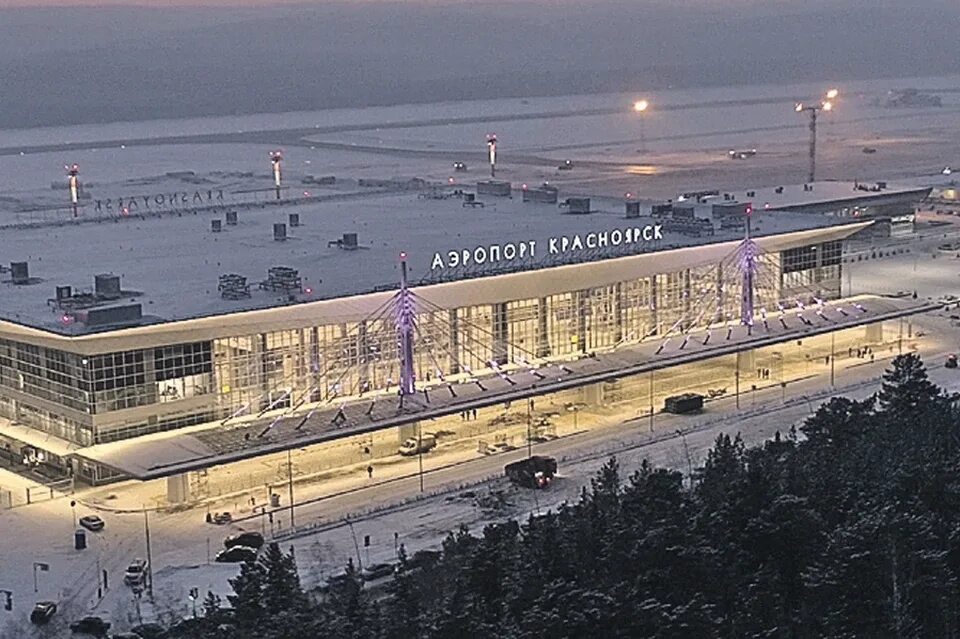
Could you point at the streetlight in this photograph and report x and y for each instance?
(276, 158)
(492, 153)
(826, 104)
(641, 106)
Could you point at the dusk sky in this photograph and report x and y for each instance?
(122, 59)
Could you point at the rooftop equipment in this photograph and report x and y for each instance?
(20, 272)
(233, 287)
(282, 278)
(107, 286)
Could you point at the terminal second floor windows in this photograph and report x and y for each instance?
(110, 381)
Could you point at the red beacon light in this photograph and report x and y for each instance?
(308, 290)
(628, 195)
(403, 255)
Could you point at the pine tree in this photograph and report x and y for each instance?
(211, 605)
(402, 607)
(247, 600)
(906, 389)
(282, 589)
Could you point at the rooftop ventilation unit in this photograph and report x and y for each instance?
(577, 205)
(545, 194)
(231, 218)
(348, 242)
(633, 210)
(63, 293)
(282, 278)
(279, 232)
(216, 226)
(20, 272)
(107, 286)
(294, 220)
(233, 287)
(494, 187)
(111, 315)
(662, 210)
(778, 190)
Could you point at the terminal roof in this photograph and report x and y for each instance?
(170, 262)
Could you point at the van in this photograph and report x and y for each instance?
(417, 445)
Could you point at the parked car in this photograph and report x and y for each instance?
(136, 572)
(219, 518)
(42, 612)
(91, 626)
(236, 554)
(93, 523)
(377, 571)
(249, 538)
(415, 445)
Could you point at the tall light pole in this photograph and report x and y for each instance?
(640, 107)
(73, 180)
(276, 157)
(826, 104)
(492, 153)
(290, 484)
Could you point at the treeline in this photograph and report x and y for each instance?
(849, 528)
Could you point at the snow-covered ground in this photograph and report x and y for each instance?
(682, 157)
(182, 543)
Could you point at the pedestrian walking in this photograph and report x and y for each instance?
(370, 472)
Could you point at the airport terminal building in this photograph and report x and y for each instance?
(152, 323)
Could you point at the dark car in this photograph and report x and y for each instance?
(93, 523)
(219, 518)
(250, 539)
(236, 554)
(42, 612)
(91, 626)
(377, 571)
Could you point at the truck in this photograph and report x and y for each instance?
(683, 404)
(417, 445)
(534, 472)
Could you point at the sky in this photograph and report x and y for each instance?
(98, 62)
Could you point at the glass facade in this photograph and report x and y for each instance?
(168, 387)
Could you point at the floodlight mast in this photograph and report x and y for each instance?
(826, 104)
(73, 180)
(492, 153)
(276, 158)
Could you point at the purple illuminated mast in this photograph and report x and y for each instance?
(748, 269)
(406, 326)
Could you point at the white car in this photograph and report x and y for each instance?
(136, 572)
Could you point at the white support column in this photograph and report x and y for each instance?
(178, 489)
